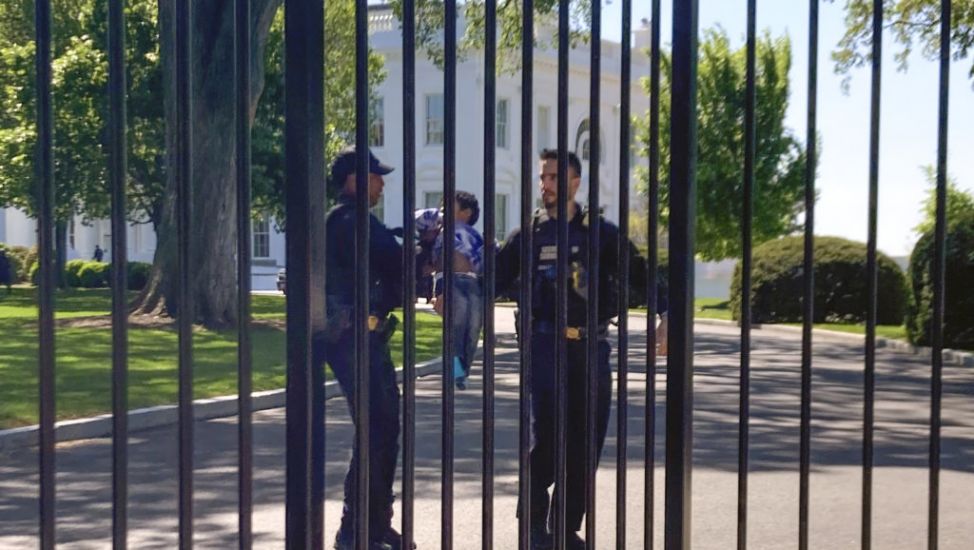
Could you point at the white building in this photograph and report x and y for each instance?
(386, 137)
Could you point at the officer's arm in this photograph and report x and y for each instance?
(508, 265)
(385, 252)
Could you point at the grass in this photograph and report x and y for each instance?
(83, 375)
(716, 308)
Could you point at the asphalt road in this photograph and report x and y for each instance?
(900, 478)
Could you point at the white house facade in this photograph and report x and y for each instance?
(387, 143)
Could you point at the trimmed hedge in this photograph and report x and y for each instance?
(21, 259)
(958, 287)
(72, 269)
(138, 275)
(93, 275)
(840, 283)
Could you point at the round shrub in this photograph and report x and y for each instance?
(958, 287)
(28, 257)
(72, 270)
(93, 275)
(777, 283)
(138, 275)
(34, 273)
(13, 261)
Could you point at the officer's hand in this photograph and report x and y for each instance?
(661, 337)
(438, 305)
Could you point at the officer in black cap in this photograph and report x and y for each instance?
(335, 343)
(544, 338)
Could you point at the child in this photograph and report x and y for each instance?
(468, 298)
(428, 224)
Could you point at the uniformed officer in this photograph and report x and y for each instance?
(543, 340)
(335, 343)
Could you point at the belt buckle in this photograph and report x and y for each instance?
(573, 333)
(373, 322)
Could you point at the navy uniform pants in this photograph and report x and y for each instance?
(383, 426)
(543, 426)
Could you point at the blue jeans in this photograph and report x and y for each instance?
(468, 319)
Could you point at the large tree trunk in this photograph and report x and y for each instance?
(214, 235)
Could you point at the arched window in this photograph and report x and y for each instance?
(583, 142)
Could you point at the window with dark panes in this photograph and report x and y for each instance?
(502, 123)
(377, 124)
(262, 237)
(434, 119)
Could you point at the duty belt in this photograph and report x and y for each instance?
(571, 333)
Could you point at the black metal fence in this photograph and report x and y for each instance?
(305, 302)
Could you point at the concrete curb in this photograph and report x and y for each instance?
(153, 417)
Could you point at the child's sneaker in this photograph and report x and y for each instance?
(459, 374)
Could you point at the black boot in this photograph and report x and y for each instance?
(540, 538)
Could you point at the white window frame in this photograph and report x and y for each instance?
(261, 237)
(432, 199)
(501, 201)
(434, 121)
(377, 125)
(544, 127)
(502, 127)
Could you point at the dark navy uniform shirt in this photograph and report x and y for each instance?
(544, 279)
(385, 261)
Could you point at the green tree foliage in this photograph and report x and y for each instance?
(914, 23)
(268, 131)
(429, 27)
(79, 89)
(958, 291)
(780, 157)
(959, 202)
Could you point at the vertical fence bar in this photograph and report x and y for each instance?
(939, 269)
(679, 369)
(744, 414)
(561, 307)
(869, 376)
(184, 289)
(303, 35)
(592, 312)
(409, 268)
(449, 241)
(625, 149)
(316, 286)
(527, 267)
(362, 360)
(117, 170)
(649, 457)
(45, 234)
(241, 34)
(490, 126)
(808, 305)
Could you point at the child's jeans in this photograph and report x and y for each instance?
(468, 319)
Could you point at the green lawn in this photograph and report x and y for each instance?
(83, 374)
(716, 308)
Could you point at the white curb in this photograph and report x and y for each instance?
(153, 417)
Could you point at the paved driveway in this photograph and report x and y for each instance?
(84, 468)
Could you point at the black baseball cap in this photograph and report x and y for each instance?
(344, 164)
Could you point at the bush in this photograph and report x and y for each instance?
(21, 259)
(840, 283)
(958, 288)
(33, 273)
(138, 275)
(72, 269)
(93, 275)
(13, 260)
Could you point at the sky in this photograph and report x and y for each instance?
(908, 121)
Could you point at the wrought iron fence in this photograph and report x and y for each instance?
(305, 301)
